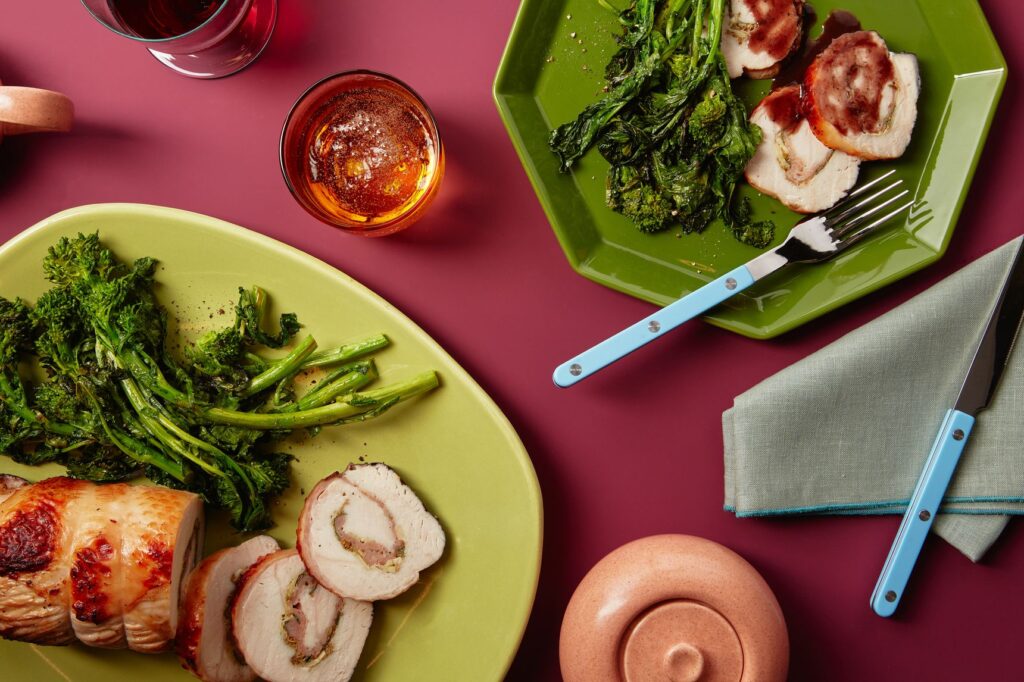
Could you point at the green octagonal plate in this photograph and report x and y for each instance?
(464, 619)
(552, 68)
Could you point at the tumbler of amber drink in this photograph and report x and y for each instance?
(360, 150)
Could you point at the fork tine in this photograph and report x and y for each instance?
(876, 224)
(834, 221)
(857, 192)
(856, 221)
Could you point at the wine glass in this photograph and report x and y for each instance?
(196, 38)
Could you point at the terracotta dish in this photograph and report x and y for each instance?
(31, 110)
(677, 608)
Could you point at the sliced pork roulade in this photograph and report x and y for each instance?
(290, 628)
(204, 641)
(791, 164)
(862, 99)
(161, 542)
(365, 535)
(757, 35)
(36, 535)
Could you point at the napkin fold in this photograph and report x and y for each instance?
(847, 429)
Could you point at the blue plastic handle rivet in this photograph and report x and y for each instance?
(575, 369)
(958, 434)
(654, 326)
(730, 284)
(924, 515)
(890, 596)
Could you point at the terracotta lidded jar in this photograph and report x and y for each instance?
(31, 110)
(673, 608)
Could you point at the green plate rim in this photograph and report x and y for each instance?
(500, 94)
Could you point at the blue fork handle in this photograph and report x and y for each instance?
(652, 326)
(924, 504)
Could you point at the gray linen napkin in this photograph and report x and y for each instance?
(847, 429)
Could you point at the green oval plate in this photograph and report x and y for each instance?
(465, 618)
(552, 68)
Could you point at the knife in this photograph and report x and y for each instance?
(979, 387)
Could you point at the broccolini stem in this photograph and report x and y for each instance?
(347, 383)
(283, 369)
(698, 19)
(366, 366)
(348, 407)
(219, 454)
(136, 449)
(149, 417)
(349, 351)
(141, 452)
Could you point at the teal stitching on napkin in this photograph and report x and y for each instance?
(846, 430)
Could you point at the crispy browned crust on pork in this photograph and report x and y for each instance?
(35, 548)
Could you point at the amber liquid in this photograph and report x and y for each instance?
(158, 19)
(369, 155)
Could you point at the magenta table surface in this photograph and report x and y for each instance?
(634, 451)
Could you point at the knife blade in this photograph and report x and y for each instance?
(979, 387)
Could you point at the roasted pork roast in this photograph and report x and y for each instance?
(100, 564)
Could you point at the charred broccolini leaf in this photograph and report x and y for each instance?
(115, 403)
(676, 136)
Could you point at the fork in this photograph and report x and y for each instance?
(812, 240)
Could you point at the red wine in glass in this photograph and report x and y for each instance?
(158, 19)
(197, 38)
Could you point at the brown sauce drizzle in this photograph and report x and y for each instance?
(784, 107)
(777, 23)
(860, 58)
(838, 22)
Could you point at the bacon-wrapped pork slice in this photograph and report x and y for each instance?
(862, 99)
(791, 164)
(290, 628)
(204, 641)
(757, 35)
(365, 535)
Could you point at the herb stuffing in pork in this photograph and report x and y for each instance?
(290, 628)
(364, 534)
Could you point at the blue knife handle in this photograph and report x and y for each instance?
(920, 514)
(653, 326)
